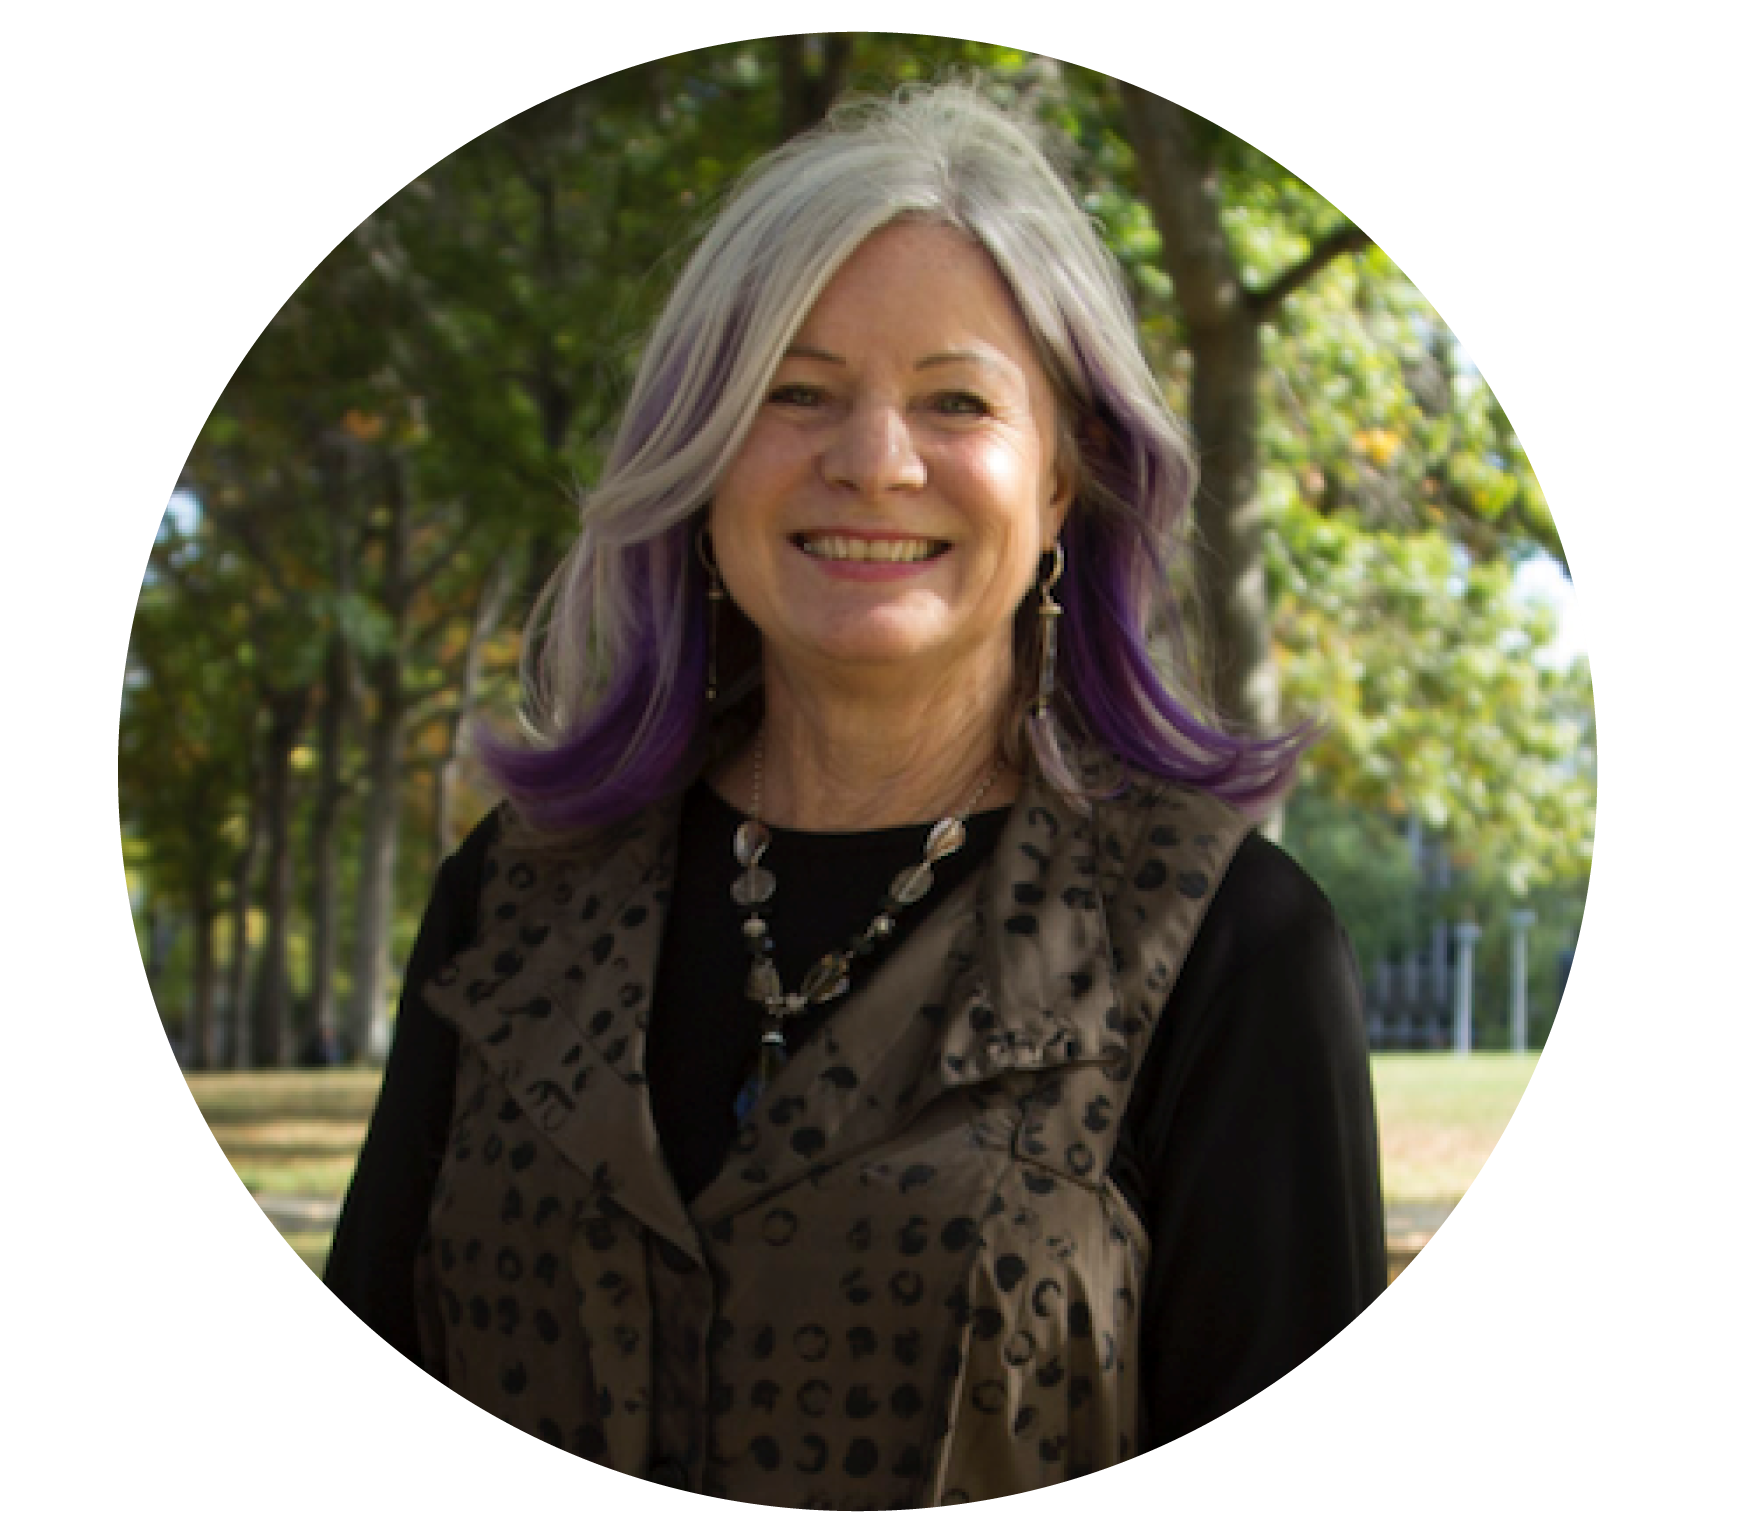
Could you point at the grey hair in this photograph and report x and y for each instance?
(618, 646)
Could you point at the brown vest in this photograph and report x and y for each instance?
(912, 1282)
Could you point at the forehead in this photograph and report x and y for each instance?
(916, 286)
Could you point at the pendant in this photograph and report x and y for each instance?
(771, 1058)
(747, 1098)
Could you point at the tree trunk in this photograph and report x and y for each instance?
(369, 1014)
(1224, 319)
(322, 845)
(272, 1019)
(814, 68)
(240, 1054)
(491, 604)
(336, 456)
(1231, 580)
(199, 1050)
(1182, 191)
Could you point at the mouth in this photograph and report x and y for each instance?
(847, 548)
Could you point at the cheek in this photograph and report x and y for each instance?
(736, 542)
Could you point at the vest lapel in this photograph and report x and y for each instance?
(555, 995)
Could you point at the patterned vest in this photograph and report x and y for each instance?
(912, 1282)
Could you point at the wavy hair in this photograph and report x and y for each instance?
(616, 652)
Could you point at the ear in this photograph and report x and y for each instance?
(1055, 516)
(1064, 482)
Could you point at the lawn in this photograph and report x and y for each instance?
(1467, 1130)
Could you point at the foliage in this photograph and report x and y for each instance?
(1363, 863)
(1430, 674)
(1362, 858)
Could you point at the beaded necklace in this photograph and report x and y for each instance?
(828, 979)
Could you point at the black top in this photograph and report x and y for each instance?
(1248, 1150)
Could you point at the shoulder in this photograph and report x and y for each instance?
(452, 907)
(1267, 901)
(1271, 959)
(465, 865)
(1160, 831)
(1267, 938)
(1263, 895)
(491, 830)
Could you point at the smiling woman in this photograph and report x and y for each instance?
(870, 1060)
(886, 514)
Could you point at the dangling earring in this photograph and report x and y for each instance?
(716, 597)
(1049, 612)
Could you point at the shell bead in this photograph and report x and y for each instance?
(827, 979)
(753, 887)
(912, 885)
(946, 838)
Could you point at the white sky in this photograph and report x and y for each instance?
(1533, 352)
(1648, 617)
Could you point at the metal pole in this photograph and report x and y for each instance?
(1466, 936)
(1520, 919)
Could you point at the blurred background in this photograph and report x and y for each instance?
(361, 529)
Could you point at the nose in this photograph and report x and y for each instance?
(873, 452)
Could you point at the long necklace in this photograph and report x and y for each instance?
(828, 979)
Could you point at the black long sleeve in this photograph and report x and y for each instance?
(1250, 1145)
(371, 1268)
(1249, 1148)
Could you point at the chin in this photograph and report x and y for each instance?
(875, 655)
(871, 647)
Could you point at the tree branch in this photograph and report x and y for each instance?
(1347, 239)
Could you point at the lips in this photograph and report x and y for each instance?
(852, 548)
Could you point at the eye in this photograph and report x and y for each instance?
(960, 403)
(796, 395)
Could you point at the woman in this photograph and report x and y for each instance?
(871, 1062)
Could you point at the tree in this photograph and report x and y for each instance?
(184, 762)
(1224, 316)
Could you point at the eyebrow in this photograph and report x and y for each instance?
(939, 358)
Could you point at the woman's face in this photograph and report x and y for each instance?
(889, 506)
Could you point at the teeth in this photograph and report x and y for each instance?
(859, 549)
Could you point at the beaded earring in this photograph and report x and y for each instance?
(716, 598)
(1049, 612)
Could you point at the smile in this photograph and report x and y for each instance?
(838, 548)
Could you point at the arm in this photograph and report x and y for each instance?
(371, 1267)
(1252, 1136)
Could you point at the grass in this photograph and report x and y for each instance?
(1440, 1116)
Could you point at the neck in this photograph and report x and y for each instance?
(839, 763)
